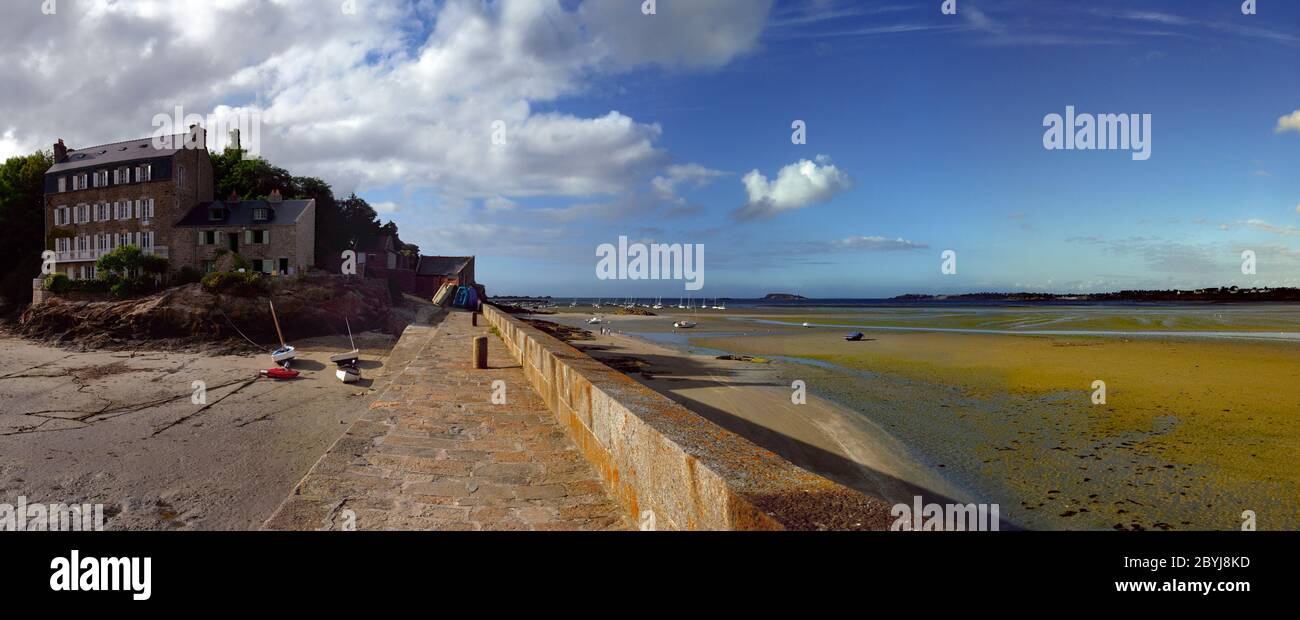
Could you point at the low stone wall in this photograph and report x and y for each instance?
(664, 463)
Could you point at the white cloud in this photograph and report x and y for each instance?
(497, 203)
(665, 186)
(1263, 226)
(798, 185)
(384, 207)
(692, 34)
(372, 99)
(878, 244)
(1289, 122)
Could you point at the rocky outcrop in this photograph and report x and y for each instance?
(307, 306)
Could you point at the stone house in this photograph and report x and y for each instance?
(125, 193)
(157, 194)
(276, 236)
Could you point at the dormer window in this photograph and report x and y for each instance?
(214, 214)
(259, 214)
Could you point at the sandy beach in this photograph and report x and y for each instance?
(1195, 428)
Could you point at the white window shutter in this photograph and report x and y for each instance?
(266, 236)
(248, 237)
(202, 238)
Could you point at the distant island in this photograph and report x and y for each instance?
(783, 297)
(1201, 294)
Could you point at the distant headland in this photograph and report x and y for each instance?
(783, 297)
(1201, 294)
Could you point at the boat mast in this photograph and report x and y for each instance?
(277, 324)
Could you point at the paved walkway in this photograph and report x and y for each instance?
(434, 453)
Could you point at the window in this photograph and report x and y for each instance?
(93, 273)
(63, 184)
(257, 265)
(214, 214)
(207, 237)
(123, 239)
(257, 237)
(209, 266)
(144, 172)
(146, 210)
(284, 267)
(146, 239)
(259, 215)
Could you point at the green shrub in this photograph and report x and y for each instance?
(241, 263)
(246, 284)
(153, 264)
(58, 283)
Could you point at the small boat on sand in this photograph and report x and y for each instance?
(854, 337)
(595, 320)
(284, 355)
(347, 357)
(807, 324)
(348, 373)
(279, 373)
(347, 362)
(684, 324)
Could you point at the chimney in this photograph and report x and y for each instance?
(60, 152)
(234, 198)
(197, 138)
(275, 196)
(234, 140)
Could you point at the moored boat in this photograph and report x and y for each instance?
(279, 373)
(854, 337)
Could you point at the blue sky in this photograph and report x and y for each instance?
(940, 130)
(925, 131)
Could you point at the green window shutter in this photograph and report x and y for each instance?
(202, 238)
(266, 237)
(248, 237)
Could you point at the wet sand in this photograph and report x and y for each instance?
(120, 428)
(1194, 430)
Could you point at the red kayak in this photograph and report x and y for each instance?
(280, 373)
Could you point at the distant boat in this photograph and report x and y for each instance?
(684, 324)
(595, 320)
(659, 304)
(854, 337)
(284, 355)
(807, 324)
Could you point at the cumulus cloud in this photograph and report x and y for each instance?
(798, 185)
(399, 93)
(1289, 122)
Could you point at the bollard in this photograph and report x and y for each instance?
(480, 352)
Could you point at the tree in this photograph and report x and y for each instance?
(22, 223)
(124, 261)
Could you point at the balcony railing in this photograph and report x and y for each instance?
(74, 256)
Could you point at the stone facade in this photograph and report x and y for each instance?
(156, 194)
(103, 197)
(285, 244)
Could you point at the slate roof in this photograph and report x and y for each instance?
(119, 152)
(241, 213)
(441, 265)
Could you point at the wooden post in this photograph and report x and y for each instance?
(480, 352)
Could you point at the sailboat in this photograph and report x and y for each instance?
(685, 324)
(659, 304)
(284, 355)
(348, 371)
